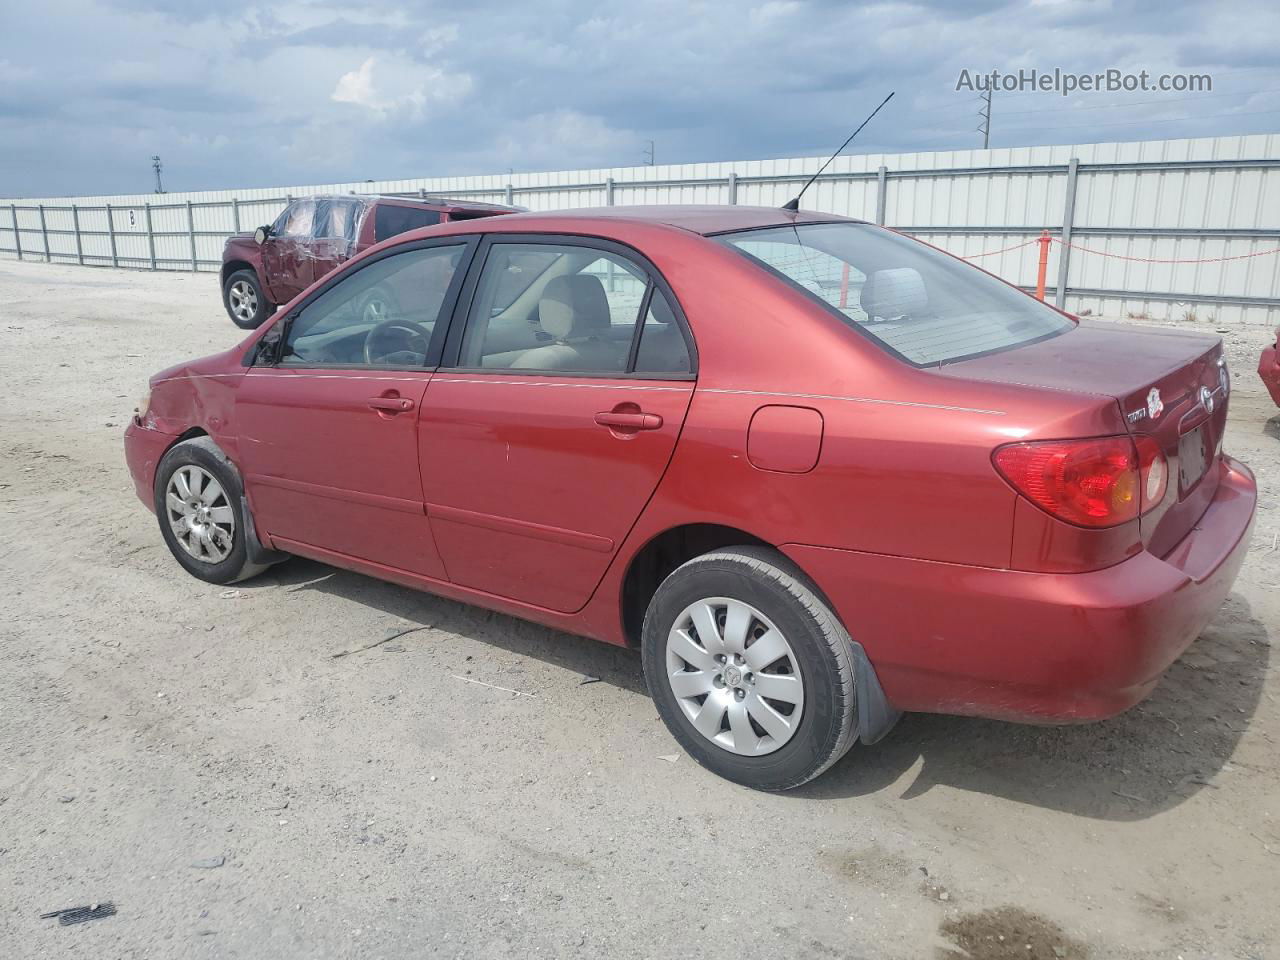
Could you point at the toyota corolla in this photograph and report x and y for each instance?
(818, 472)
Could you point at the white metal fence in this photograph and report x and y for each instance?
(1158, 228)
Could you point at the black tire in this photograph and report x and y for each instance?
(202, 452)
(263, 307)
(822, 652)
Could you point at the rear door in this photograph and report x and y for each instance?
(328, 433)
(337, 224)
(543, 441)
(286, 254)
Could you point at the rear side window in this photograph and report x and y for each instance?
(339, 219)
(390, 220)
(924, 306)
(565, 308)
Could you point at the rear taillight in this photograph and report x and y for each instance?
(1100, 482)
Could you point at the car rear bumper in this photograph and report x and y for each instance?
(143, 449)
(1052, 648)
(1269, 371)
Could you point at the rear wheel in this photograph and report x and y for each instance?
(750, 670)
(246, 304)
(199, 504)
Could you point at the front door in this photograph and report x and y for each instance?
(287, 255)
(543, 442)
(328, 431)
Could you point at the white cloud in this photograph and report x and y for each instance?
(403, 85)
(357, 86)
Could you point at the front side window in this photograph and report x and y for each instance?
(390, 220)
(924, 306)
(384, 314)
(572, 309)
(299, 219)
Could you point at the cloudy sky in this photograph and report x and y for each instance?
(236, 93)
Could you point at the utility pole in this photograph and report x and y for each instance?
(648, 153)
(985, 113)
(157, 166)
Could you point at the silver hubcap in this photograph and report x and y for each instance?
(199, 514)
(243, 300)
(735, 676)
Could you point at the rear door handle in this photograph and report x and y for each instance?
(392, 404)
(629, 421)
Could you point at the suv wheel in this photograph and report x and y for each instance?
(246, 304)
(750, 669)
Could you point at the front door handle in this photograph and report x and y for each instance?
(391, 404)
(629, 421)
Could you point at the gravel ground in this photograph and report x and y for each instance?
(199, 757)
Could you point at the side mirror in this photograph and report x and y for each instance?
(261, 234)
(269, 347)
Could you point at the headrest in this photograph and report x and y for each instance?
(889, 294)
(573, 306)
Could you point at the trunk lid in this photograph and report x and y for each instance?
(1170, 385)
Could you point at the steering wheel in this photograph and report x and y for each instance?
(411, 335)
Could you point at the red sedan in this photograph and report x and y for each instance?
(820, 473)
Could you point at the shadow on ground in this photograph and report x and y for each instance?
(1131, 767)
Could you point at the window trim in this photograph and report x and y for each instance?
(725, 238)
(444, 322)
(462, 310)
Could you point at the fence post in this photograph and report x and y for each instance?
(191, 232)
(111, 236)
(882, 193)
(151, 237)
(75, 224)
(733, 188)
(422, 193)
(1068, 216)
(17, 234)
(1044, 264)
(510, 196)
(44, 232)
(235, 215)
(608, 192)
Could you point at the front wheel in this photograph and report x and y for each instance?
(247, 305)
(199, 503)
(750, 669)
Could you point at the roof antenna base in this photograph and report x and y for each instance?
(792, 204)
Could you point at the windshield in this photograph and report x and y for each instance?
(924, 306)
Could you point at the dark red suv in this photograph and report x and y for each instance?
(315, 234)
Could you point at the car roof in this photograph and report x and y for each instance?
(705, 219)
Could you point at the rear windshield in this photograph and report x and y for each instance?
(924, 306)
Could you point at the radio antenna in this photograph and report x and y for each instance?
(795, 204)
